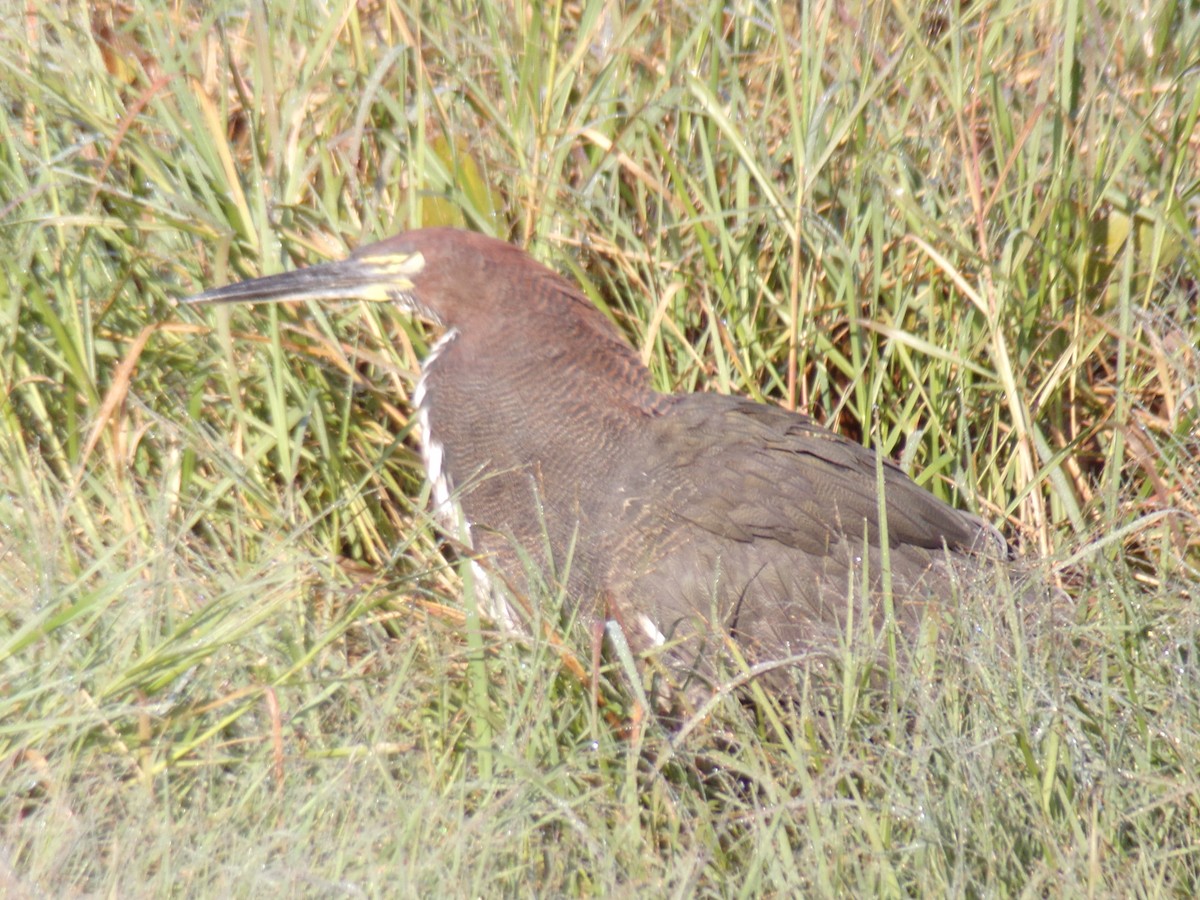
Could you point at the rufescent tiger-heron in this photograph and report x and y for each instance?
(680, 519)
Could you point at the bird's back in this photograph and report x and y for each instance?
(762, 522)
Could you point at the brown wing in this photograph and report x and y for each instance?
(751, 472)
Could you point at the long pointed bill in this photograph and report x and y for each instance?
(378, 278)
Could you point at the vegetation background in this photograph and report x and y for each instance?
(233, 660)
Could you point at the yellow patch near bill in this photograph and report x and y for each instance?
(395, 270)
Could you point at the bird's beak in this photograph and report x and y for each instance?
(375, 278)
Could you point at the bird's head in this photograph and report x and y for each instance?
(497, 300)
(448, 276)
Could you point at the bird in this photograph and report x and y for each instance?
(686, 523)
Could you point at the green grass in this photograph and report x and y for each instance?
(232, 657)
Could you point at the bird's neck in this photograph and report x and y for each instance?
(522, 431)
(560, 363)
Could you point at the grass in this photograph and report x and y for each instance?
(233, 659)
